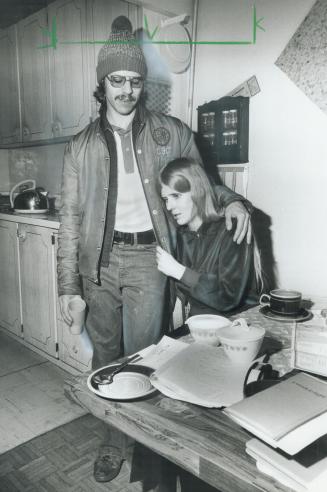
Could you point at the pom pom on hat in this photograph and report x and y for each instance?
(121, 51)
(121, 24)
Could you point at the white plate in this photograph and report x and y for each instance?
(132, 383)
(177, 56)
(22, 211)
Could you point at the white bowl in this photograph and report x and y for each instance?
(205, 328)
(240, 342)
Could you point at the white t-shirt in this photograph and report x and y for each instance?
(132, 212)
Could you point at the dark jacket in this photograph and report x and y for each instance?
(85, 183)
(219, 275)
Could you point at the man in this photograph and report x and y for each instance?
(112, 217)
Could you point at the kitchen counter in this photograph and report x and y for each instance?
(49, 219)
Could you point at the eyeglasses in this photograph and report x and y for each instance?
(120, 81)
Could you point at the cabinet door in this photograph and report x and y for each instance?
(34, 77)
(9, 95)
(101, 13)
(36, 254)
(70, 94)
(75, 350)
(9, 275)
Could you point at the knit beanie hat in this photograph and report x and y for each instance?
(121, 51)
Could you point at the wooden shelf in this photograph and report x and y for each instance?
(36, 143)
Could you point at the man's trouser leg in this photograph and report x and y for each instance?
(131, 298)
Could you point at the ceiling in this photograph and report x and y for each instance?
(11, 11)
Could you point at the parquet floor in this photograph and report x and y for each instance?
(60, 461)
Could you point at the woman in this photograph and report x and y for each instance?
(213, 273)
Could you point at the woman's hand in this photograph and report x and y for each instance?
(168, 265)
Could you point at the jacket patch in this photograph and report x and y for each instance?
(163, 151)
(161, 136)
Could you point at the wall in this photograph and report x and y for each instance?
(288, 149)
(4, 171)
(44, 164)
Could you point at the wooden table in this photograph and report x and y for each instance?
(203, 441)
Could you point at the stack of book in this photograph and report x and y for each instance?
(304, 472)
(310, 346)
(291, 418)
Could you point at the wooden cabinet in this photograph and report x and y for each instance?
(34, 77)
(70, 94)
(9, 94)
(52, 61)
(29, 306)
(74, 350)
(36, 255)
(9, 275)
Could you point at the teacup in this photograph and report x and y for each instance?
(241, 342)
(282, 301)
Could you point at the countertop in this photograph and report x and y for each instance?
(49, 219)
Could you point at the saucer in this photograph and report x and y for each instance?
(130, 383)
(303, 315)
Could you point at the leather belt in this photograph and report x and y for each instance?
(146, 237)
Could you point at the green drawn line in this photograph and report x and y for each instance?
(151, 36)
(54, 39)
(256, 24)
(153, 42)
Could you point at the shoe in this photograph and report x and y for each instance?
(107, 467)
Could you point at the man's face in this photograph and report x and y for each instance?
(123, 95)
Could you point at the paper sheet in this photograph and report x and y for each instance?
(157, 355)
(203, 375)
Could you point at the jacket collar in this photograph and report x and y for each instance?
(138, 120)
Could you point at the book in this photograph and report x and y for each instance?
(290, 415)
(304, 472)
(309, 344)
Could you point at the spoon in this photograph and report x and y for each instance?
(108, 378)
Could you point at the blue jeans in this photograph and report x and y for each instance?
(127, 312)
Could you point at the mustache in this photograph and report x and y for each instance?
(126, 98)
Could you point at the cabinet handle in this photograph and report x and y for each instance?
(56, 128)
(21, 236)
(75, 350)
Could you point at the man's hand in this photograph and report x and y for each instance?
(63, 303)
(236, 210)
(168, 265)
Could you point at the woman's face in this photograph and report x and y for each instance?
(182, 207)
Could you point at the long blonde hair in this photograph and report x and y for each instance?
(185, 174)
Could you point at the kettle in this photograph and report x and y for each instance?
(31, 200)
